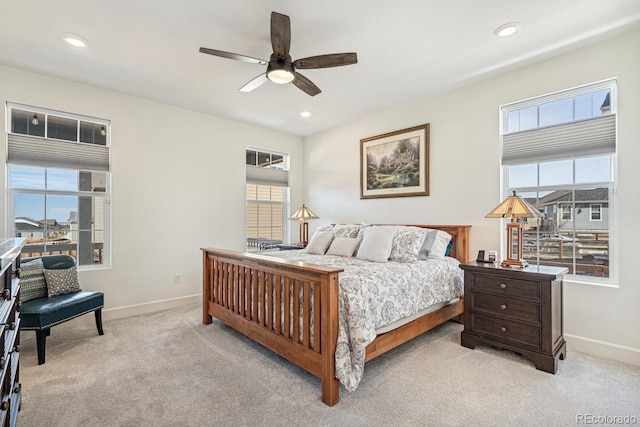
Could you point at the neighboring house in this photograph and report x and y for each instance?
(34, 230)
(589, 212)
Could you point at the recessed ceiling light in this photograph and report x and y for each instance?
(506, 30)
(305, 114)
(75, 40)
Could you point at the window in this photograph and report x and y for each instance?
(59, 183)
(558, 152)
(565, 213)
(267, 199)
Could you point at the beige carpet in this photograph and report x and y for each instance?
(167, 369)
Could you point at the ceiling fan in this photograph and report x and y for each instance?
(280, 68)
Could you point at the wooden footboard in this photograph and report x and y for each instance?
(291, 307)
(260, 297)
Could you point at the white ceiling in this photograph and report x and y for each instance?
(407, 50)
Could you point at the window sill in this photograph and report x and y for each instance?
(579, 280)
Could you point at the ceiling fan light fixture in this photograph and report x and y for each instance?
(280, 70)
(280, 76)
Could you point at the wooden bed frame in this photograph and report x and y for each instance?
(240, 288)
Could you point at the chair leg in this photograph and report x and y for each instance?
(99, 321)
(41, 343)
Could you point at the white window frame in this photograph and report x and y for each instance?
(599, 211)
(612, 280)
(28, 149)
(269, 176)
(566, 212)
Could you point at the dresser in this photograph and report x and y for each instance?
(10, 330)
(515, 309)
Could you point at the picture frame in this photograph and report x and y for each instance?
(395, 164)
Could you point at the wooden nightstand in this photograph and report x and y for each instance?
(518, 310)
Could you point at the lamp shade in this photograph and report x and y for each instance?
(304, 213)
(514, 207)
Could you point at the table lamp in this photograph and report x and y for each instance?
(514, 207)
(303, 214)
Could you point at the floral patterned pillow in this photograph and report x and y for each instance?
(406, 244)
(348, 230)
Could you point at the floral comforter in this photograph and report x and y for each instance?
(373, 295)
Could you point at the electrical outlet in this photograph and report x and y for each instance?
(177, 278)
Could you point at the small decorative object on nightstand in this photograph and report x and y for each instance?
(515, 309)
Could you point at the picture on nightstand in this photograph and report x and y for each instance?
(481, 257)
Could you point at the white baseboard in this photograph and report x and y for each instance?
(88, 321)
(603, 349)
(149, 307)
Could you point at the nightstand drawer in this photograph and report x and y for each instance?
(504, 329)
(506, 286)
(502, 307)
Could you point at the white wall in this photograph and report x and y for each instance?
(177, 185)
(465, 177)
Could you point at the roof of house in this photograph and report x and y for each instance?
(590, 195)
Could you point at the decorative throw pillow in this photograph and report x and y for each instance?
(62, 281)
(32, 282)
(435, 244)
(328, 227)
(343, 246)
(347, 230)
(406, 244)
(320, 242)
(376, 244)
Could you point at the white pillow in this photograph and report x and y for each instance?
(343, 246)
(406, 244)
(435, 244)
(376, 244)
(320, 242)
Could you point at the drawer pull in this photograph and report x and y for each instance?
(16, 389)
(6, 294)
(503, 285)
(2, 361)
(503, 306)
(5, 405)
(503, 329)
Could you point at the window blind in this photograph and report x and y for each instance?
(576, 139)
(267, 176)
(46, 152)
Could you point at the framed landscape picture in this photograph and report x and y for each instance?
(395, 164)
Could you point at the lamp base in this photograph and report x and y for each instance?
(518, 263)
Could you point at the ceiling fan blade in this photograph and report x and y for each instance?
(280, 34)
(230, 55)
(326, 61)
(306, 85)
(255, 83)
